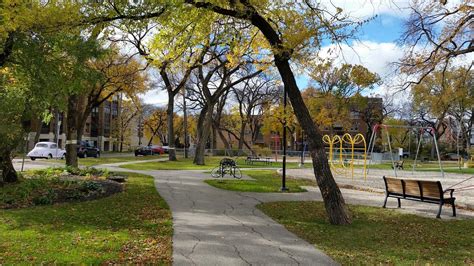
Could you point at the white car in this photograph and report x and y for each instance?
(46, 150)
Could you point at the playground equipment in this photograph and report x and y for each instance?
(422, 130)
(346, 147)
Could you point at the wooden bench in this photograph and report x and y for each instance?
(418, 190)
(251, 160)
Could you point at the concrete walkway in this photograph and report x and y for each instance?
(217, 227)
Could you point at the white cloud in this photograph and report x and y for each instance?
(156, 97)
(363, 9)
(374, 56)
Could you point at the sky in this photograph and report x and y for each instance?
(376, 45)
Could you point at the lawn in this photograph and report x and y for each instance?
(265, 181)
(132, 226)
(211, 162)
(118, 159)
(378, 236)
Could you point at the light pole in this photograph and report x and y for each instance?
(283, 175)
(185, 123)
(57, 138)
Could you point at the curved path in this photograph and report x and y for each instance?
(215, 227)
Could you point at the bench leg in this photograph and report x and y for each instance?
(454, 209)
(399, 203)
(385, 202)
(439, 211)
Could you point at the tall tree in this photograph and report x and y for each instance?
(122, 124)
(435, 34)
(154, 125)
(213, 80)
(289, 29)
(251, 97)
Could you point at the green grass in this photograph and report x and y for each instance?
(211, 162)
(265, 181)
(107, 160)
(378, 236)
(132, 226)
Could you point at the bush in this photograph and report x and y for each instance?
(51, 185)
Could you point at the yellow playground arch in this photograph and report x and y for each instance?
(346, 149)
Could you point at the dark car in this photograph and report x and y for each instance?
(85, 149)
(144, 151)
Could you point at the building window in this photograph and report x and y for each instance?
(355, 127)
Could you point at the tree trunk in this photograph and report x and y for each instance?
(224, 140)
(333, 200)
(38, 131)
(71, 132)
(204, 130)
(6, 166)
(241, 137)
(171, 138)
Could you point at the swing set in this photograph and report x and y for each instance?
(378, 128)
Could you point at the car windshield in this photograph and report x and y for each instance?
(41, 145)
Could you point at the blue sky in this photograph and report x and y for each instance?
(384, 28)
(376, 45)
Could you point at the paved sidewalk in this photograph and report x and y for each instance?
(217, 227)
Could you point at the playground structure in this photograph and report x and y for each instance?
(378, 128)
(342, 151)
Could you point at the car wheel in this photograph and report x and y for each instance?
(33, 158)
(97, 155)
(50, 156)
(63, 157)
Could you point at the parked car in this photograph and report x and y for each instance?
(46, 150)
(85, 149)
(143, 151)
(157, 149)
(166, 149)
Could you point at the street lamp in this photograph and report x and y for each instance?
(57, 138)
(283, 175)
(185, 123)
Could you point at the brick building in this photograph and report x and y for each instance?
(98, 129)
(361, 120)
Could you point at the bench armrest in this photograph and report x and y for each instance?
(451, 191)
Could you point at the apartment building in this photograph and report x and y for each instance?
(98, 129)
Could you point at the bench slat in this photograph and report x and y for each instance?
(394, 185)
(412, 188)
(431, 189)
